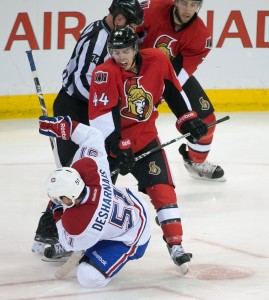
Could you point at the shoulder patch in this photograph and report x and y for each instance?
(145, 4)
(100, 77)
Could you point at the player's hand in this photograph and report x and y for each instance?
(190, 123)
(58, 127)
(125, 156)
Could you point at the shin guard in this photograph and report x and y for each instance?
(163, 198)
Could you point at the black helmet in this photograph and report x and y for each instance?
(131, 10)
(122, 37)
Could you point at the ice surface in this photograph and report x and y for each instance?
(225, 225)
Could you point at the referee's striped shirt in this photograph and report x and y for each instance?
(90, 50)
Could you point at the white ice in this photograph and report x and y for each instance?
(226, 225)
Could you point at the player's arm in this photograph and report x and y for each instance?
(178, 102)
(104, 114)
(72, 242)
(173, 93)
(89, 139)
(104, 102)
(187, 61)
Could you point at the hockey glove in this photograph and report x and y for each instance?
(58, 127)
(190, 123)
(124, 156)
(57, 210)
(46, 229)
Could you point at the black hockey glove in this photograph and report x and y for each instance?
(125, 156)
(46, 228)
(190, 123)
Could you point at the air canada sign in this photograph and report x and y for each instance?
(23, 29)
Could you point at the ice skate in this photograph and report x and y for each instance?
(41, 241)
(56, 253)
(202, 171)
(46, 232)
(179, 257)
(38, 247)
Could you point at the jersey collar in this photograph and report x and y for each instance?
(105, 25)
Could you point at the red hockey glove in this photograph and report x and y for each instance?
(190, 123)
(58, 127)
(124, 156)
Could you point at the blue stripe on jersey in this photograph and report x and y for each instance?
(111, 256)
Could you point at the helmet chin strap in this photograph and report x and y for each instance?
(134, 62)
(69, 206)
(177, 16)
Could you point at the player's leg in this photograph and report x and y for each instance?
(163, 198)
(154, 177)
(195, 158)
(55, 253)
(104, 260)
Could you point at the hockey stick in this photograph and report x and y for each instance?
(170, 142)
(42, 104)
(69, 265)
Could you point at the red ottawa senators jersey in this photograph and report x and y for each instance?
(190, 43)
(122, 104)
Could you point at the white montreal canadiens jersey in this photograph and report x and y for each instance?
(107, 212)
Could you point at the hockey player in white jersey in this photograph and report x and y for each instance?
(110, 223)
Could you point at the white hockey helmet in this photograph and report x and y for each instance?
(64, 182)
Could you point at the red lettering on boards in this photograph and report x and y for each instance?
(235, 18)
(23, 21)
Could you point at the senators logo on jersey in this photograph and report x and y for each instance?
(100, 77)
(164, 43)
(139, 102)
(205, 105)
(154, 169)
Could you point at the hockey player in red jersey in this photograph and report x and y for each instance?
(123, 95)
(110, 223)
(174, 27)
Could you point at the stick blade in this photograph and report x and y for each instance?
(69, 265)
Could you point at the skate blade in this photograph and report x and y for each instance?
(184, 268)
(196, 176)
(46, 259)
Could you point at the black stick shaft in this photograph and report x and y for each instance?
(42, 103)
(171, 142)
